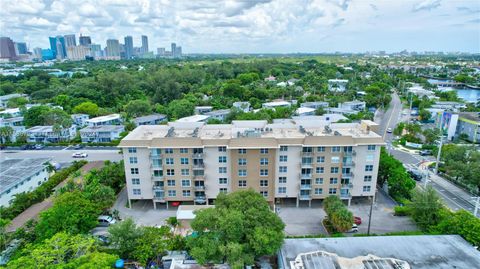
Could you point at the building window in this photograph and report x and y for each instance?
(133, 160)
(222, 181)
(282, 180)
(169, 161)
(367, 178)
(222, 170)
(371, 147)
(134, 171)
(263, 161)
(132, 150)
(282, 169)
(186, 193)
(319, 180)
(172, 193)
(348, 149)
(242, 172)
(263, 172)
(283, 158)
(334, 170)
(158, 173)
(242, 151)
(319, 169)
(282, 190)
(222, 159)
(320, 159)
(185, 183)
(263, 151)
(185, 172)
(222, 149)
(307, 149)
(369, 158)
(320, 149)
(170, 172)
(332, 191)
(318, 191)
(367, 188)
(283, 148)
(368, 168)
(264, 193)
(335, 159)
(183, 160)
(169, 151)
(137, 192)
(183, 150)
(135, 181)
(242, 161)
(336, 149)
(171, 182)
(263, 183)
(242, 183)
(222, 190)
(333, 180)
(157, 162)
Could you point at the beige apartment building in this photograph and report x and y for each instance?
(295, 160)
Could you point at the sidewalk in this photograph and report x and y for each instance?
(457, 191)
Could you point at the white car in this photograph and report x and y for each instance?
(79, 155)
(354, 229)
(389, 130)
(106, 221)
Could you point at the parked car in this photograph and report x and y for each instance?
(105, 221)
(425, 152)
(39, 146)
(354, 229)
(27, 147)
(416, 175)
(78, 146)
(79, 155)
(3, 147)
(389, 130)
(357, 220)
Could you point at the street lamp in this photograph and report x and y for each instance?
(439, 154)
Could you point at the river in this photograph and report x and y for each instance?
(467, 94)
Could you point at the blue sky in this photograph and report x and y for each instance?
(253, 26)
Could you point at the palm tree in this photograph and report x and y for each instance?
(57, 129)
(6, 133)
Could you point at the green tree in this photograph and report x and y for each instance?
(390, 170)
(426, 207)
(34, 115)
(71, 212)
(101, 195)
(338, 214)
(180, 108)
(17, 102)
(136, 108)
(239, 229)
(124, 236)
(6, 133)
(424, 115)
(21, 138)
(89, 108)
(152, 242)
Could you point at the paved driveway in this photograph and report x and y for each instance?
(303, 220)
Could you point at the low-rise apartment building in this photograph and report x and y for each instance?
(153, 119)
(16, 123)
(297, 160)
(80, 119)
(47, 134)
(101, 134)
(112, 119)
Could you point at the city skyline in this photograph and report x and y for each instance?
(255, 26)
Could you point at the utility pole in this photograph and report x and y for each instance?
(439, 154)
(426, 179)
(370, 215)
(477, 205)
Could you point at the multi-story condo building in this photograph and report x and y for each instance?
(295, 160)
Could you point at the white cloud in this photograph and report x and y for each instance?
(427, 5)
(37, 22)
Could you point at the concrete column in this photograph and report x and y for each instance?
(166, 204)
(310, 203)
(349, 201)
(129, 203)
(154, 204)
(297, 201)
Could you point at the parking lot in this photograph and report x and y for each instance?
(308, 221)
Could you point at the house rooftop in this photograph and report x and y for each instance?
(194, 118)
(14, 171)
(473, 116)
(103, 128)
(150, 118)
(218, 112)
(104, 118)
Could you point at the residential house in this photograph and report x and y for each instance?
(220, 115)
(5, 98)
(275, 104)
(315, 105)
(199, 110)
(305, 111)
(353, 105)
(194, 118)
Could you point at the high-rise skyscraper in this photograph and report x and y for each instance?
(144, 44)
(37, 53)
(128, 47)
(113, 49)
(84, 40)
(7, 49)
(174, 49)
(70, 40)
(21, 48)
(57, 45)
(178, 51)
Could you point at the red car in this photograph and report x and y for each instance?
(357, 220)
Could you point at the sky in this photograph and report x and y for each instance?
(253, 26)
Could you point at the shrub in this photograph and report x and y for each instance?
(402, 210)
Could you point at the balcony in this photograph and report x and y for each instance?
(307, 154)
(199, 177)
(198, 155)
(156, 155)
(307, 165)
(345, 195)
(348, 164)
(158, 188)
(200, 188)
(200, 200)
(158, 178)
(347, 185)
(198, 166)
(304, 197)
(160, 199)
(350, 153)
(306, 176)
(305, 187)
(349, 175)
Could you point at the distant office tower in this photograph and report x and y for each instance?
(144, 44)
(70, 40)
(128, 47)
(7, 49)
(113, 49)
(84, 40)
(37, 53)
(57, 45)
(20, 48)
(178, 51)
(174, 48)
(161, 52)
(78, 53)
(95, 50)
(47, 54)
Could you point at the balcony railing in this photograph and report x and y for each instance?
(345, 195)
(200, 200)
(305, 186)
(158, 178)
(347, 174)
(347, 185)
(348, 164)
(198, 155)
(307, 165)
(307, 176)
(307, 153)
(198, 177)
(198, 166)
(350, 153)
(159, 199)
(304, 197)
(158, 187)
(200, 188)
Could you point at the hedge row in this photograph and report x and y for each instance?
(24, 200)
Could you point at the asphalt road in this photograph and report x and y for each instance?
(63, 157)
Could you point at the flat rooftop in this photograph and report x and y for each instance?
(105, 118)
(420, 252)
(150, 118)
(103, 128)
(12, 171)
(473, 116)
